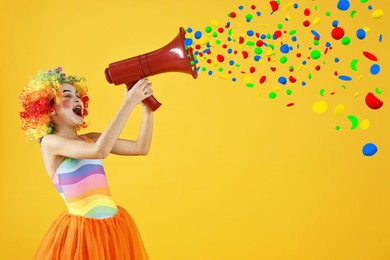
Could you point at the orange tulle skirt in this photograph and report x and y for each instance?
(79, 238)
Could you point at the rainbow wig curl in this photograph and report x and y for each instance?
(40, 97)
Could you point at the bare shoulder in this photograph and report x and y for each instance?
(50, 159)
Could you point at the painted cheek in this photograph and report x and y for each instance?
(66, 103)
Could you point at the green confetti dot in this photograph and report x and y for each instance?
(346, 40)
(315, 54)
(218, 41)
(204, 69)
(220, 69)
(250, 43)
(363, 1)
(208, 29)
(271, 46)
(338, 128)
(309, 76)
(215, 34)
(327, 13)
(289, 92)
(192, 63)
(283, 59)
(316, 42)
(272, 95)
(292, 32)
(250, 85)
(249, 16)
(280, 26)
(230, 31)
(269, 36)
(352, 14)
(258, 50)
(378, 91)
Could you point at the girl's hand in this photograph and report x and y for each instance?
(140, 91)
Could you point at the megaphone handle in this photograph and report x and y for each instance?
(151, 102)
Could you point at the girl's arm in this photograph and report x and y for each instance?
(62, 146)
(141, 145)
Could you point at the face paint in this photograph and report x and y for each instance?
(66, 103)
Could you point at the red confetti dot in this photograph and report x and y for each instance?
(370, 56)
(241, 40)
(274, 6)
(258, 35)
(262, 79)
(277, 34)
(200, 54)
(273, 69)
(337, 33)
(326, 51)
(259, 43)
(306, 23)
(253, 7)
(232, 14)
(318, 67)
(220, 30)
(299, 55)
(290, 104)
(245, 54)
(307, 12)
(235, 52)
(252, 69)
(224, 46)
(291, 69)
(336, 73)
(373, 102)
(292, 79)
(197, 46)
(208, 61)
(220, 58)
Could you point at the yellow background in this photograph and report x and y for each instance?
(230, 175)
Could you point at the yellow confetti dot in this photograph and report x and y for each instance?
(204, 40)
(247, 79)
(316, 21)
(269, 53)
(299, 67)
(320, 107)
(258, 94)
(360, 77)
(223, 76)
(215, 23)
(364, 124)
(377, 13)
(215, 63)
(339, 110)
(288, 17)
(288, 6)
(239, 24)
(264, 25)
(277, 88)
(367, 29)
(356, 94)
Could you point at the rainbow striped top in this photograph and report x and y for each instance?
(84, 188)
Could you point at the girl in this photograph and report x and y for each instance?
(54, 106)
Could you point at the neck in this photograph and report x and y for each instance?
(68, 132)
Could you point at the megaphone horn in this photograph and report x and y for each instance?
(173, 57)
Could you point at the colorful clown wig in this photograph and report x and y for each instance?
(40, 97)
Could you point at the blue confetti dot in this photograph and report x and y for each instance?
(282, 80)
(303, 83)
(296, 6)
(189, 29)
(335, 23)
(263, 36)
(369, 149)
(375, 69)
(304, 62)
(197, 69)
(231, 62)
(345, 78)
(336, 60)
(316, 34)
(361, 34)
(370, 7)
(294, 38)
(198, 35)
(328, 44)
(284, 48)
(230, 51)
(380, 38)
(234, 79)
(188, 42)
(210, 72)
(258, 13)
(250, 32)
(343, 5)
(257, 58)
(240, 7)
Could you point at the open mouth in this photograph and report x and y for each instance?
(78, 110)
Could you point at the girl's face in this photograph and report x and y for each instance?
(70, 109)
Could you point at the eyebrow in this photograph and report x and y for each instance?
(67, 90)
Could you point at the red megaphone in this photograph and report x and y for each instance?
(174, 57)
